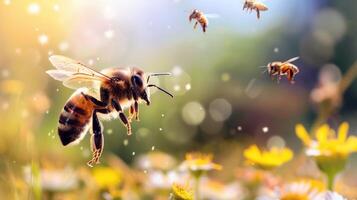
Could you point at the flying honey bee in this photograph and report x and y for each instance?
(119, 88)
(283, 68)
(254, 5)
(200, 18)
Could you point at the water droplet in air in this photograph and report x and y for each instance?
(152, 148)
(133, 153)
(239, 128)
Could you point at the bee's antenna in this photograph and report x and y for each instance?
(264, 69)
(157, 74)
(152, 85)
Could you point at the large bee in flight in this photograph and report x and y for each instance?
(285, 68)
(119, 88)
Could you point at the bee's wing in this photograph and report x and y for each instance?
(212, 15)
(70, 65)
(261, 6)
(74, 74)
(81, 80)
(291, 60)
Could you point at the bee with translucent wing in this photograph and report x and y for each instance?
(201, 18)
(251, 5)
(119, 88)
(283, 68)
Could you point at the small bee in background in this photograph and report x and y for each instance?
(254, 5)
(283, 68)
(200, 18)
(118, 88)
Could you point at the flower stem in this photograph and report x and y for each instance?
(330, 181)
(197, 187)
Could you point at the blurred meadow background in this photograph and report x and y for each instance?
(223, 104)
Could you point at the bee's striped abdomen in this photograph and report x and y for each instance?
(74, 119)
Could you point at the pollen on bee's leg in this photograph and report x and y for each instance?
(95, 159)
(129, 130)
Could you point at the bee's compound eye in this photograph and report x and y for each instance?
(137, 81)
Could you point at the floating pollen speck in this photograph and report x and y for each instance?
(33, 8)
(43, 39)
(7, 2)
(109, 34)
(177, 88)
(126, 142)
(56, 7)
(188, 86)
(265, 129)
(63, 46)
(5, 73)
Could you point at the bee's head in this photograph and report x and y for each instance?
(270, 67)
(140, 87)
(193, 14)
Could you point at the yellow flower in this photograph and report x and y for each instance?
(180, 192)
(329, 150)
(327, 143)
(200, 162)
(275, 157)
(106, 177)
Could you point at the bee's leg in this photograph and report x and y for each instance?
(278, 78)
(97, 140)
(122, 116)
(131, 113)
(196, 23)
(204, 27)
(258, 13)
(136, 107)
(290, 76)
(136, 110)
(95, 101)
